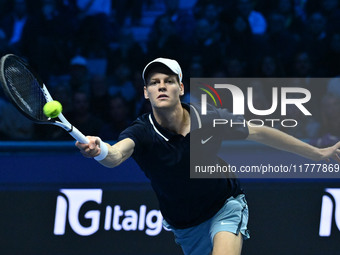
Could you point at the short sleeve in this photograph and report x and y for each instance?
(227, 125)
(136, 132)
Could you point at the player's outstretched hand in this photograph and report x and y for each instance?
(92, 149)
(332, 152)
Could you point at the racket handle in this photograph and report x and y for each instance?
(82, 139)
(78, 135)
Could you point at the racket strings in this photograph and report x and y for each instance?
(25, 89)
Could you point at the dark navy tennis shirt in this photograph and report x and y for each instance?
(164, 157)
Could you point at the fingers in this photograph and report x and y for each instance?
(336, 152)
(336, 157)
(91, 149)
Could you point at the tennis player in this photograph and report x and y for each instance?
(206, 215)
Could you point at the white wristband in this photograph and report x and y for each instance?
(103, 151)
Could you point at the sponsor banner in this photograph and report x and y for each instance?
(71, 221)
(114, 217)
(330, 212)
(299, 218)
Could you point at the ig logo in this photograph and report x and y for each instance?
(75, 199)
(69, 205)
(329, 211)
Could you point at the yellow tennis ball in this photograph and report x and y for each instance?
(52, 109)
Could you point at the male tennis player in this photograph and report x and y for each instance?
(205, 215)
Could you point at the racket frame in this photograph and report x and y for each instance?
(63, 123)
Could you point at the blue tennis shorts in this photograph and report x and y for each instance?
(198, 240)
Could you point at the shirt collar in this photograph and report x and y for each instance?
(163, 132)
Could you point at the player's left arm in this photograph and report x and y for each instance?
(282, 141)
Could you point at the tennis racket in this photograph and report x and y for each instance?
(29, 94)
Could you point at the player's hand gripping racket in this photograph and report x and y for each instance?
(29, 94)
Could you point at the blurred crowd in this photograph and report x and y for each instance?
(87, 54)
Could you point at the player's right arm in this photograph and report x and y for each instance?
(116, 155)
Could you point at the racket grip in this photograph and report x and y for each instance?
(82, 139)
(76, 134)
